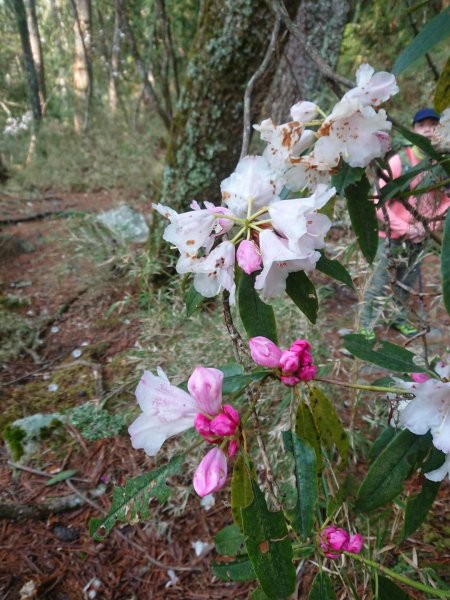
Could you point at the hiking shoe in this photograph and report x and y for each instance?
(369, 334)
(406, 329)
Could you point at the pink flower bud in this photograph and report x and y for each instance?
(248, 257)
(222, 425)
(354, 544)
(232, 448)
(264, 352)
(202, 425)
(231, 412)
(332, 540)
(211, 473)
(289, 380)
(307, 373)
(205, 385)
(289, 361)
(300, 346)
(419, 377)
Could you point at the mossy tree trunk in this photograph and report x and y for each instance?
(230, 44)
(322, 23)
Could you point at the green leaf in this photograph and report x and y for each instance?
(239, 570)
(130, 503)
(401, 183)
(236, 380)
(363, 217)
(334, 269)
(381, 442)
(435, 31)
(347, 176)
(384, 354)
(257, 317)
(387, 590)
(445, 263)
(230, 541)
(306, 482)
(442, 94)
(302, 292)
(241, 489)
(322, 588)
(385, 478)
(328, 423)
(424, 144)
(419, 505)
(62, 476)
(269, 547)
(306, 429)
(258, 594)
(193, 301)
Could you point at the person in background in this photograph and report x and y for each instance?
(406, 233)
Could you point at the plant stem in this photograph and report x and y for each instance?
(360, 386)
(415, 584)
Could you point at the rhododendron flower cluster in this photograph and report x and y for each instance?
(257, 228)
(167, 410)
(293, 365)
(334, 540)
(429, 411)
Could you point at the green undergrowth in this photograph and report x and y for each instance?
(111, 155)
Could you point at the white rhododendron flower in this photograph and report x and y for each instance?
(372, 88)
(441, 135)
(304, 111)
(307, 173)
(279, 260)
(351, 131)
(440, 473)
(253, 181)
(289, 217)
(429, 411)
(216, 271)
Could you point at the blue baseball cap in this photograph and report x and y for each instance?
(425, 113)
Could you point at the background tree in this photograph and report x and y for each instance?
(82, 63)
(36, 48)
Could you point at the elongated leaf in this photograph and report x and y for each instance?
(328, 423)
(401, 183)
(435, 31)
(302, 292)
(347, 176)
(306, 429)
(424, 144)
(387, 590)
(306, 482)
(381, 442)
(322, 588)
(363, 217)
(385, 478)
(445, 263)
(193, 301)
(258, 594)
(230, 541)
(419, 505)
(236, 380)
(62, 476)
(442, 94)
(130, 503)
(239, 570)
(384, 354)
(334, 269)
(241, 489)
(257, 317)
(268, 547)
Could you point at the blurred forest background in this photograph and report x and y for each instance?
(105, 94)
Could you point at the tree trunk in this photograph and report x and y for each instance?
(36, 47)
(231, 41)
(82, 63)
(113, 93)
(33, 86)
(297, 78)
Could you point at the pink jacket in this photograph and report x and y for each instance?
(402, 223)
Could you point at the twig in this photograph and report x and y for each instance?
(236, 339)
(38, 472)
(271, 483)
(328, 73)
(251, 83)
(119, 534)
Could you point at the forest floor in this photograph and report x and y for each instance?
(69, 322)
